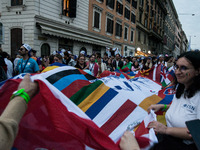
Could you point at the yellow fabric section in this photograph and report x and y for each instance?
(154, 99)
(50, 68)
(161, 118)
(93, 97)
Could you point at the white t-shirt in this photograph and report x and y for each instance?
(182, 110)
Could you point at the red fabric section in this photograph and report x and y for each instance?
(118, 117)
(107, 73)
(141, 130)
(48, 124)
(74, 87)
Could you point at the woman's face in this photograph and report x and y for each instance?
(185, 71)
(81, 60)
(136, 63)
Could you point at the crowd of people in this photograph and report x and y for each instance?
(185, 104)
(26, 61)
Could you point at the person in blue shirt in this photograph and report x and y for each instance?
(26, 64)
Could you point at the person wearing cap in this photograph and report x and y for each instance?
(185, 105)
(26, 64)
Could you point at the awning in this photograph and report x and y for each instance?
(58, 29)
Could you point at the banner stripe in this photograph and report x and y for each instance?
(85, 92)
(74, 87)
(59, 75)
(93, 97)
(154, 99)
(119, 116)
(101, 103)
(67, 80)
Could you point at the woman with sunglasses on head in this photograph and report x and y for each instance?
(185, 105)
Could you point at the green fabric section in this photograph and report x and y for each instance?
(84, 92)
(164, 84)
(129, 65)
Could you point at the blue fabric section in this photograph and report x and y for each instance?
(67, 80)
(167, 99)
(57, 64)
(101, 103)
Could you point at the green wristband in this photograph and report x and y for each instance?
(22, 94)
(165, 107)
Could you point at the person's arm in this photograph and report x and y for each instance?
(128, 142)
(157, 107)
(173, 131)
(10, 118)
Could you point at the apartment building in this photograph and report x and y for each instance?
(48, 26)
(114, 19)
(150, 26)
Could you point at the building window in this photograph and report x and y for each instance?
(132, 35)
(118, 31)
(139, 36)
(16, 2)
(140, 16)
(125, 33)
(97, 18)
(146, 22)
(109, 25)
(144, 38)
(16, 40)
(110, 3)
(132, 17)
(134, 4)
(127, 13)
(1, 33)
(45, 50)
(119, 8)
(100, 1)
(141, 3)
(69, 8)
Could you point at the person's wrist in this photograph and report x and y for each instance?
(21, 93)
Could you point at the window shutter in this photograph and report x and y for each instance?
(72, 8)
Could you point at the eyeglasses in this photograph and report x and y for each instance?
(21, 49)
(55, 59)
(181, 68)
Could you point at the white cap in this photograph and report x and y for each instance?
(26, 46)
(54, 52)
(82, 52)
(63, 50)
(69, 52)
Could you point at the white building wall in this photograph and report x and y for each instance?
(53, 10)
(18, 17)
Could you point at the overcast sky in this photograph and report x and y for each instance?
(190, 24)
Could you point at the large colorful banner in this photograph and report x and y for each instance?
(74, 110)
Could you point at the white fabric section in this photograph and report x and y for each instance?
(154, 72)
(64, 100)
(151, 117)
(153, 139)
(146, 86)
(137, 115)
(51, 72)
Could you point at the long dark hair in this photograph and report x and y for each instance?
(193, 57)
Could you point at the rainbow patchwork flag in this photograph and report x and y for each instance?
(74, 110)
